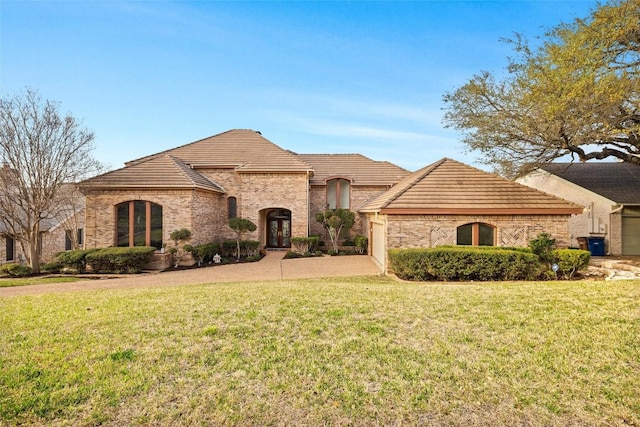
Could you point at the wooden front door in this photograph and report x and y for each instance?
(279, 228)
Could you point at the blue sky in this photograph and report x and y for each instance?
(313, 77)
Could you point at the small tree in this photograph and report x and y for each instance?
(178, 237)
(334, 221)
(542, 246)
(241, 226)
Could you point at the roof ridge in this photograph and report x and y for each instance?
(150, 156)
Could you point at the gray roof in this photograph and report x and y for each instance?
(617, 181)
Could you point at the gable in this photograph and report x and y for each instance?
(164, 171)
(448, 187)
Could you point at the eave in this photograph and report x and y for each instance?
(480, 211)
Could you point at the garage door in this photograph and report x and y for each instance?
(377, 242)
(631, 231)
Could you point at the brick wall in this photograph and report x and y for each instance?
(360, 196)
(261, 192)
(189, 209)
(412, 231)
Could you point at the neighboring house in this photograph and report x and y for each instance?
(450, 203)
(610, 192)
(201, 185)
(57, 234)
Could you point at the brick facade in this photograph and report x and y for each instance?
(205, 213)
(414, 231)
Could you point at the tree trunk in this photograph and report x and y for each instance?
(34, 248)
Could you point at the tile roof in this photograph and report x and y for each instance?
(243, 149)
(617, 181)
(360, 169)
(449, 187)
(163, 171)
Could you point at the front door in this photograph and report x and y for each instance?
(279, 228)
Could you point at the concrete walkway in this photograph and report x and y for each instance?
(271, 267)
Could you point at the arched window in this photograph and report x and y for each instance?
(476, 234)
(139, 223)
(338, 193)
(232, 207)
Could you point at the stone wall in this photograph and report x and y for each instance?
(414, 231)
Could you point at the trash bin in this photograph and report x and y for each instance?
(582, 243)
(596, 246)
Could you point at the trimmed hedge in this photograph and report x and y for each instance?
(570, 261)
(14, 270)
(120, 259)
(76, 259)
(463, 263)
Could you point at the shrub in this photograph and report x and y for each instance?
(120, 259)
(361, 243)
(570, 261)
(203, 253)
(249, 248)
(52, 267)
(542, 246)
(301, 245)
(15, 270)
(76, 259)
(462, 264)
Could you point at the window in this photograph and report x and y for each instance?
(11, 248)
(68, 243)
(338, 193)
(476, 234)
(232, 207)
(139, 223)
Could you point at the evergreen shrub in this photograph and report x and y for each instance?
(463, 263)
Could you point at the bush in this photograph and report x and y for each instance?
(361, 243)
(14, 270)
(542, 246)
(76, 259)
(204, 253)
(462, 264)
(570, 261)
(52, 267)
(301, 245)
(120, 260)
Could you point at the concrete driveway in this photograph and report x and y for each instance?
(271, 267)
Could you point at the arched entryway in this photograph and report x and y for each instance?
(279, 228)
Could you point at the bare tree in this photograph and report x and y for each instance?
(42, 152)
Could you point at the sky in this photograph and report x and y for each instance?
(311, 76)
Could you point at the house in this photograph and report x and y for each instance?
(60, 231)
(610, 191)
(201, 185)
(450, 203)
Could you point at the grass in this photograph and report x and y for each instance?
(325, 352)
(38, 280)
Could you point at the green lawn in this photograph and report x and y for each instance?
(325, 352)
(39, 280)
